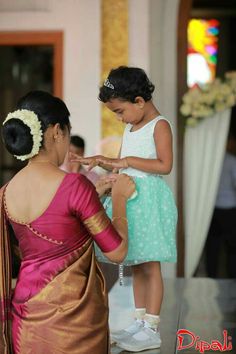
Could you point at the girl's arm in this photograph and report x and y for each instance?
(162, 164)
(93, 161)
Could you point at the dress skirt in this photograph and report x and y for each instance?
(152, 218)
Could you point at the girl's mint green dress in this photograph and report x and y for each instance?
(152, 214)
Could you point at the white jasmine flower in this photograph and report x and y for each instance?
(31, 120)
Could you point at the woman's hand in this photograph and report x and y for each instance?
(104, 184)
(124, 186)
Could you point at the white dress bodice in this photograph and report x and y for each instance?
(139, 143)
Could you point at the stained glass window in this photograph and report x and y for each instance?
(202, 51)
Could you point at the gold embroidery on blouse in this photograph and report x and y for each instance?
(39, 234)
(97, 223)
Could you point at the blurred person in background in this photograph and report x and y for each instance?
(77, 146)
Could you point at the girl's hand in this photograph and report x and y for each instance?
(124, 186)
(114, 163)
(91, 162)
(104, 184)
(99, 160)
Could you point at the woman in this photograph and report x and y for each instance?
(59, 303)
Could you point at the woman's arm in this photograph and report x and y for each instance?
(111, 237)
(121, 190)
(120, 223)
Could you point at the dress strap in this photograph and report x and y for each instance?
(157, 119)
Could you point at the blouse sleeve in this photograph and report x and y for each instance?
(85, 204)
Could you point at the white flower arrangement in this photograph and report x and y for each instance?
(31, 120)
(203, 101)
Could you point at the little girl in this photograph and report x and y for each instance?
(146, 154)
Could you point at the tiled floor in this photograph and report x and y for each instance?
(203, 306)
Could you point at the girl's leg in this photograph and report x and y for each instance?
(148, 287)
(139, 285)
(154, 290)
(148, 293)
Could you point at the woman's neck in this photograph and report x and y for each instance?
(44, 158)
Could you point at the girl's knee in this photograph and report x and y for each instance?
(147, 268)
(153, 268)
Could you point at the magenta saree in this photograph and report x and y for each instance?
(59, 303)
(5, 283)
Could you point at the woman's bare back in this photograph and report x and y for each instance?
(31, 191)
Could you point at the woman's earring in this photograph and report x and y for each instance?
(57, 138)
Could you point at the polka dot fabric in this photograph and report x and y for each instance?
(152, 218)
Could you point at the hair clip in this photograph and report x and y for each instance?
(108, 84)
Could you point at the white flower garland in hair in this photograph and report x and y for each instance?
(31, 120)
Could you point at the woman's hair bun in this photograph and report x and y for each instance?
(23, 130)
(17, 137)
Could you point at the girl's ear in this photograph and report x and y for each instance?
(140, 102)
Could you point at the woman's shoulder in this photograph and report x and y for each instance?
(79, 183)
(77, 177)
(47, 182)
(81, 191)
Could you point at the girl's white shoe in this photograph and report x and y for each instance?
(135, 327)
(146, 338)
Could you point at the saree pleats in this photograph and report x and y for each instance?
(69, 315)
(5, 283)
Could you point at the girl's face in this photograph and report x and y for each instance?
(126, 111)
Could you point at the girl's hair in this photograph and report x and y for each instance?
(50, 110)
(126, 83)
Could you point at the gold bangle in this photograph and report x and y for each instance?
(121, 218)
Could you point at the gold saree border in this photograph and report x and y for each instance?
(5, 282)
(97, 223)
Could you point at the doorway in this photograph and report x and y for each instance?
(28, 61)
(223, 11)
